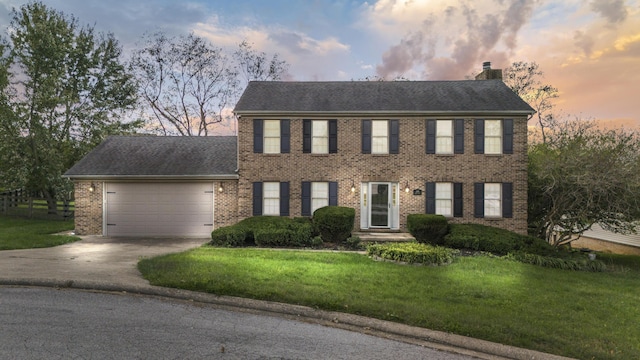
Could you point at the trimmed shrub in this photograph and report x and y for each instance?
(494, 240)
(334, 223)
(428, 228)
(265, 231)
(412, 253)
(576, 264)
(228, 236)
(353, 243)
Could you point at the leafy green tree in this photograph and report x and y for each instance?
(66, 90)
(583, 175)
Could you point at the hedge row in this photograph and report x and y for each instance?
(265, 231)
(412, 253)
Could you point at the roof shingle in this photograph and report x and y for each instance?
(380, 96)
(159, 156)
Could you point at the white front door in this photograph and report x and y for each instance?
(379, 205)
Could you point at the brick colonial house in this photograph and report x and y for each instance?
(386, 149)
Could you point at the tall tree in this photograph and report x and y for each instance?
(583, 175)
(525, 79)
(67, 90)
(189, 85)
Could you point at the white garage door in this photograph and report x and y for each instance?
(159, 209)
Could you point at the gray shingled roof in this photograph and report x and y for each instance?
(467, 96)
(160, 156)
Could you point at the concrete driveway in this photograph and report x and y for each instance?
(95, 259)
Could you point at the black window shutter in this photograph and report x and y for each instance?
(333, 136)
(306, 198)
(507, 200)
(333, 193)
(258, 134)
(285, 137)
(478, 196)
(306, 136)
(479, 136)
(431, 137)
(457, 200)
(430, 194)
(507, 136)
(394, 136)
(257, 198)
(458, 136)
(366, 136)
(284, 199)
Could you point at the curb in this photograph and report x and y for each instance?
(385, 329)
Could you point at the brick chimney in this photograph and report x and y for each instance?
(488, 73)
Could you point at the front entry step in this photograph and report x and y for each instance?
(384, 236)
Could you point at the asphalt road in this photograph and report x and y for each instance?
(48, 323)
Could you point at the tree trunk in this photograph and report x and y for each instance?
(52, 203)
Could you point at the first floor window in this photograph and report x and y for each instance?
(444, 199)
(271, 198)
(319, 195)
(492, 200)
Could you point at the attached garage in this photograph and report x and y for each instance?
(156, 186)
(159, 209)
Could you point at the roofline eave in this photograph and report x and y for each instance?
(475, 113)
(153, 177)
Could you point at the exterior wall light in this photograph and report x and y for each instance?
(220, 188)
(92, 187)
(353, 187)
(406, 188)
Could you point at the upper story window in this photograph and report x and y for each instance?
(271, 136)
(494, 136)
(380, 136)
(320, 136)
(445, 136)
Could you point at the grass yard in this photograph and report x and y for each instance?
(577, 314)
(20, 233)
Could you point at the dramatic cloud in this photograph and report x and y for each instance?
(614, 11)
(454, 40)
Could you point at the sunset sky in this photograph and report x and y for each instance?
(589, 50)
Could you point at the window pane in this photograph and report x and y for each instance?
(443, 190)
(444, 128)
(271, 207)
(319, 145)
(271, 189)
(272, 145)
(492, 191)
(379, 128)
(492, 145)
(444, 145)
(320, 128)
(492, 128)
(379, 145)
(272, 128)
(492, 208)
(443, 207)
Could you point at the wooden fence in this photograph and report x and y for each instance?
(23, 203)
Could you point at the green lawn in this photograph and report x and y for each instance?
(577, 314)
(20, 233)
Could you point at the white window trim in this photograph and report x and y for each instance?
(276, 212)
(439, 125)
(267, 149)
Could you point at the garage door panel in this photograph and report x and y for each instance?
(159, 209)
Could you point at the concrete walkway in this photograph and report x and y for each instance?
(109, 264)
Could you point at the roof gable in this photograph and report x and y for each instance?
(466, 96)
(159, 156)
